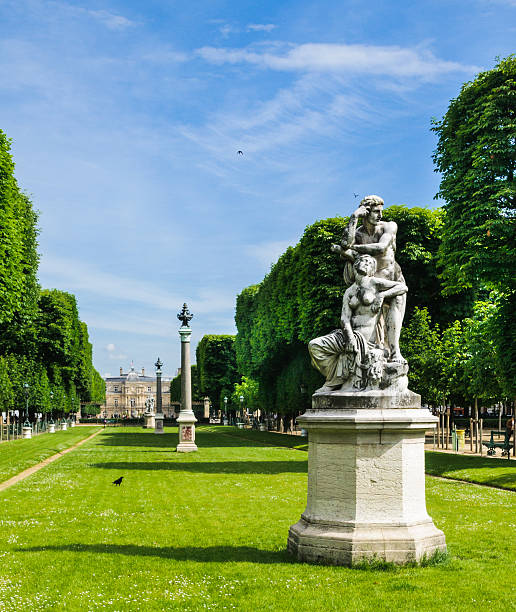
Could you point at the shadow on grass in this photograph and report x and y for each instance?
(147, 438)
(205, 467)
(218, 554)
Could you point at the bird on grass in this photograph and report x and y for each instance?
(118, 481)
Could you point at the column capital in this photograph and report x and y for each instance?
(185, 333)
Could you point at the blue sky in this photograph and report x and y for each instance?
(127, 117)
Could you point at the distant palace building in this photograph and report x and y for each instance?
(126, 394)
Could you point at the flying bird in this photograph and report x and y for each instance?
(118, 481)
(240, 152)
(355, 194)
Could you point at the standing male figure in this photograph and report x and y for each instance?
(378, 239)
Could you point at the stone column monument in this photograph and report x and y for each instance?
(366, 430)
(158, 418)
(186, 419)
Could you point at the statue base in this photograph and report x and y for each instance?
(186, 423)
(148, 420)
(366, 480)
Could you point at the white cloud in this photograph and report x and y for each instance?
(110, 348)
(261, 27)
(165, 56)
(339, 58)
(75, 275)
(111, 20)
(227, 29)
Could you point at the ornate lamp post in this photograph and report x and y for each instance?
(225, 418)
(74, 412)
(186, 419)
(26, 427)
(158, 419)
(51, 424)
(240, 423)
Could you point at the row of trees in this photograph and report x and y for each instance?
(43, 343)
(458, 261)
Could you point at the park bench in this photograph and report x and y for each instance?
(505, 445)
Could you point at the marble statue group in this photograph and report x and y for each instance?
(364, 353)
(366, 429)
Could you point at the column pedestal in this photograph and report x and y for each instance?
(186, 423)
(27, 432)
(366, 481)
(51, 428)
(158, 423)
(64, 426)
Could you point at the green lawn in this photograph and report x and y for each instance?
(207, 531)
(18, 455)
(484, 470)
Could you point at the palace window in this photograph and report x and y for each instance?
(116, 403)
(115, 389)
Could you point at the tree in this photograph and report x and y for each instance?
(98, 388)
(476, 155)
(6, 387)
(421, 345)
(18, 259)
(249, 390)
(175, 386)
(482, 367)
(216, 363)
(418, 240)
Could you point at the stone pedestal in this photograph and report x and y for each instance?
(27, 431)
(148, 420)
(186, 423)
(64, 426)
(51, 428)
(72, 423)
(366, 481)
(158, 423)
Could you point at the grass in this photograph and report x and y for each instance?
(469, 468)
(18, 455)
(207, 531)
(483, 470)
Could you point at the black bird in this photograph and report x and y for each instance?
(118, 481)
(240, 152)
(355, 194)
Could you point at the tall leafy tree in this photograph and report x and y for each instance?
(216, 363)
(476, 155)
(421, 345)
(18, 258)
